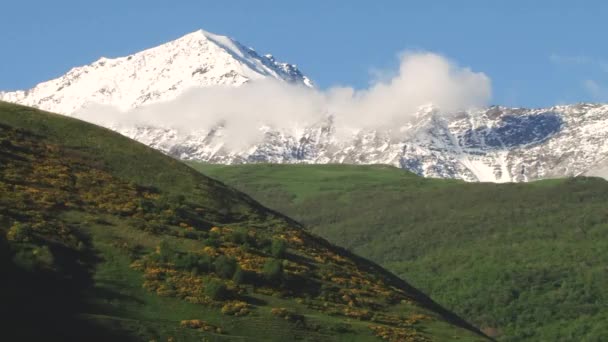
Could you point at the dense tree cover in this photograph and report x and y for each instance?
(107, 247)
(523, 261)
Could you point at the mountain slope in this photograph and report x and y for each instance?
(107, 239)
(198, 59)
(526, 262)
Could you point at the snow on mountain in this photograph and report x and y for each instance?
(495, 144)
(198, 59)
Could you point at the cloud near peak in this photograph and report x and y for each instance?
(422, 78)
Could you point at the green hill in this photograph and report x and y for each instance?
(102, 238)
(526, 262)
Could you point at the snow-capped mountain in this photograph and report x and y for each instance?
(198, 59)
(494, 144)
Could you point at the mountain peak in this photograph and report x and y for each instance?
(161, 73)
(198, 35)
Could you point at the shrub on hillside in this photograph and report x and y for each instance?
(165, 252)
(20, 232)
(224, 266)
(237, 308)
(287, 314)
(278, 247)
(239, 276)
(239, 237)
(194, 262)
(216, 290)
(273, 271)
(201, 325)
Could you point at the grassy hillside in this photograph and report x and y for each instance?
(523, 261)
(102, 238)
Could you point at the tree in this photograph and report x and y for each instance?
(19, 232)
(239, 276)
(278, 248)
(238, 237)
(165, 251)
(216, 290)
(193, 262)
(273, 271)
(224, 266)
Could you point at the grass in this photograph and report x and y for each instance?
(526, 262)
(102, 238)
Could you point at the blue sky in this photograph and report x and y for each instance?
(537, 53)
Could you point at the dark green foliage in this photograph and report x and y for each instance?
(24, 259)
(193, 262)
(273, 271)
(524, 260)
(211, 241)
(239, 236)
(278, 248)
(224, 266)
(20, 232)
(242, 277)
(213, 238)
(216, 290)
(239, 276)
(166, 253)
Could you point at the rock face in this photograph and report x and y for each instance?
(495, 144)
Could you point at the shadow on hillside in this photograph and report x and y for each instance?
(39, 304)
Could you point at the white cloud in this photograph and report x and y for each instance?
(422, 78)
